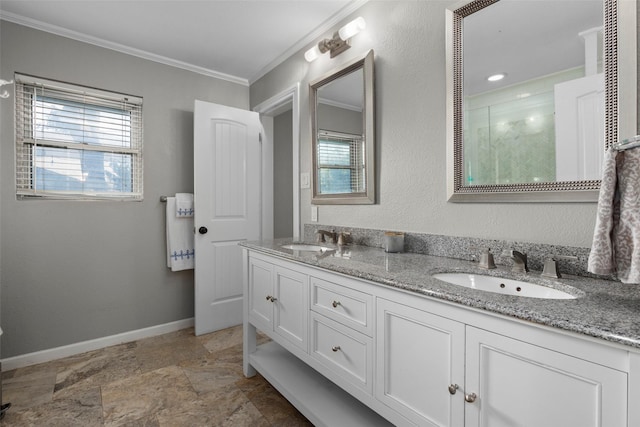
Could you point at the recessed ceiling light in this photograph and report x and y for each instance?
(496, 77)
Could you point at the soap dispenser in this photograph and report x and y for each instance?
(486, 260)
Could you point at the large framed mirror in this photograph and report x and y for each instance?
(537, 91)
(343, 132)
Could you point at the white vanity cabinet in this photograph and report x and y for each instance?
(514, 383)
(419, 355)
(278, 301)
(369, 354)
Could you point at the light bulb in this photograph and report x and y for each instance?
(352, 28)
(312, 54)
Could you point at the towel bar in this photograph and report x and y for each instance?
(627, 144)
(163, 199)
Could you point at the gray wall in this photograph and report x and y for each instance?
(340, 119)
(408, 38)
(282, 175)
(74, 271)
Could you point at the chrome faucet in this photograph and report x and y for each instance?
(320, 234)
(519, 261)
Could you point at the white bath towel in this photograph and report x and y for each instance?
(616, 239)
(181, 251)
(184, 204)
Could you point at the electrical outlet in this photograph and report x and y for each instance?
(304, 180)
(314, 213)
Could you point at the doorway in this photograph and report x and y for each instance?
(280, 118)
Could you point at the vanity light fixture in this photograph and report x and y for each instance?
(339, 43)
(496, 77)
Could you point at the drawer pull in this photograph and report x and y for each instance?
(335, 304)
(470, 398)
(335, 348)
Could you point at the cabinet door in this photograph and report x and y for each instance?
(291, 306)
(260, 291)
(519, 384)
(418, 355)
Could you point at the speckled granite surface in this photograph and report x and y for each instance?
(604, 309)
(467, 248)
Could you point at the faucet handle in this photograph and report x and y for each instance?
(486, 260)
(551, 266)
(342, 237)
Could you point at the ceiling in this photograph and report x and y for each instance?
(239, 40)
(526, 40)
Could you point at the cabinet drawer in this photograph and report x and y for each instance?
(344, 305)
(344, 351)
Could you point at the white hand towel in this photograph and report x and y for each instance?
(184, 204)
(616, 239)
(181, 251)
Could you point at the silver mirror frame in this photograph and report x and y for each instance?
(620, 107)
(368, 196)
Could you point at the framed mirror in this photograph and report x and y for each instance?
(537, 90)
(343, 129)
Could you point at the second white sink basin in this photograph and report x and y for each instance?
(502, 286)
(306, 247)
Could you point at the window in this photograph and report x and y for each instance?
(77, 142)
(340, 163)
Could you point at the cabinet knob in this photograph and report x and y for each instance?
(470, 397)
(335, 348)
(335, 304)
(453, 388)
(272, 299)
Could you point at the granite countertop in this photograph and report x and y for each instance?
(603, 309)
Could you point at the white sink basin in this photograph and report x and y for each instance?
(502, 286)
(306, 247)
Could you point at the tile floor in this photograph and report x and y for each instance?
(176, 379)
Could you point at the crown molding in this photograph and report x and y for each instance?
(60, 31)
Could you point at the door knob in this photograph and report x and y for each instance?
(202, 230)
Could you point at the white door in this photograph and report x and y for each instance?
(580, 129)
(227, 198)
(520, 384)
(419, 356)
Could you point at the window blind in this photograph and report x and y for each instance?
(77, 142)
(340, 158)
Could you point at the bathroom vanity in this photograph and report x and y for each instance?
(362, 337)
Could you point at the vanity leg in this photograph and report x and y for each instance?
(248, 347)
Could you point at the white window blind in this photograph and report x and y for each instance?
(77, 142)
(341, 163)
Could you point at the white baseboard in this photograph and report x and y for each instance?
(95, 344)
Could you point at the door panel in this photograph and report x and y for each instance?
(227, 197)
(519, 385)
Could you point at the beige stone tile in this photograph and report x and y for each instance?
(144, 395)
(271, 404)
(223, 339)
(95, 368)
(227, 406)
(84, 409)
(167, 350)
(29, 387)
(208, 374)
